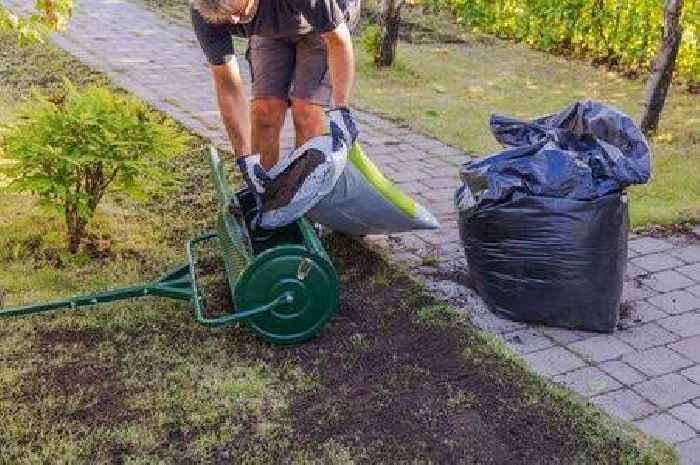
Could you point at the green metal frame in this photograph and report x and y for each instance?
(282, 277)
(230, 318)
(174, 284)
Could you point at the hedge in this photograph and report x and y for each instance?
(620, 32)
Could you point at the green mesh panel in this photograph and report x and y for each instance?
(233, 249)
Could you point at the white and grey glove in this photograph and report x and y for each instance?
(342, 125)
(255, 178)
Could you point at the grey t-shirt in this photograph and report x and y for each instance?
(274, 18)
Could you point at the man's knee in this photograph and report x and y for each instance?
(268, 114)
(308, 118)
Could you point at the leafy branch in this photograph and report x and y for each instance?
(48, 16)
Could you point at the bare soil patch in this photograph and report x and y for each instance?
(397, 380)
(399, 390)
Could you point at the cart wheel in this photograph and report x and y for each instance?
(309, 279)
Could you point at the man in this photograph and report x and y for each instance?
(301, 56)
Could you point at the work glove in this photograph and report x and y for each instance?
(256, 178)
(343, 126)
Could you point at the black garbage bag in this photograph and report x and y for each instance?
(585, 152)
(553, 261)
(545, 222)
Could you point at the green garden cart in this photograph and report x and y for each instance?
(282, 282)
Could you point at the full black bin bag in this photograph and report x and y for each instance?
(545, 221)
(547, 260)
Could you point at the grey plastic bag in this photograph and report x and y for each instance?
(364, 202)
(295, 189)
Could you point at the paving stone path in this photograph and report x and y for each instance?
(648, 372)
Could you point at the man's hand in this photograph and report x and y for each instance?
(341, 120)
(255, 178)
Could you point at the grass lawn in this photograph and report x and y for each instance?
(449, 90)
(396, 377)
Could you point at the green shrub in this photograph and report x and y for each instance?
(73, 149)
(626, 32)
(370, 40)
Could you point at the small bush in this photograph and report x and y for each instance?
(72, 150)
(371, 41)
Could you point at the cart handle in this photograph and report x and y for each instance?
(174, 284)
(285, 298)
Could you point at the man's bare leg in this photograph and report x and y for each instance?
(309, 121)
(268, 116)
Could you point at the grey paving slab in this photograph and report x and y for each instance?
(625, 404)
(646, 335)
(411, 187)
(633, 271)
(657, 262)
(441, 194)
(648, 245)
(601, 348)
(588, 381)
(688, 414)
(636, 289)
(691, 271)
(494, 323)
(554, 361)
(689, 347)
(693, 374)
(161, 63)
(666, 427)
(668, 390)
(690, 452)
(527, 340)
(407, 175)
(439, 182)
(685, 325)
(657, 361)
(643, 312)
(622, 372)
(668, 280)
(676, 302)
(690, 254)
(565, 336)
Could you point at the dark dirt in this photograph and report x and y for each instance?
(456, 276)
(211, 279)
(407, 394)
(664, 231)
(392, 389)
(96, 384)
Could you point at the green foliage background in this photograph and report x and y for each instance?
(623, 32)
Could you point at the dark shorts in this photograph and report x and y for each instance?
(290, 67)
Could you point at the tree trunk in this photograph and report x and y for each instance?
(663, 67)
(391, 20)
(76, 228)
